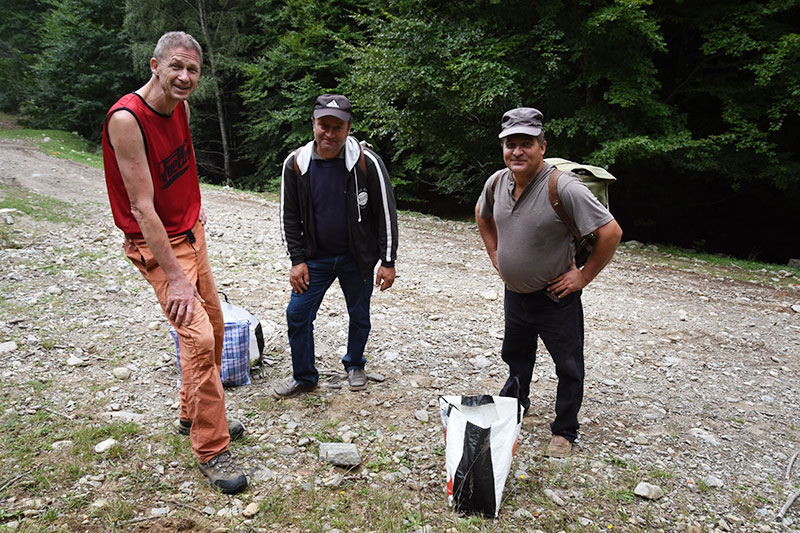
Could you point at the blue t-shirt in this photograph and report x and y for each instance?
(328, 181)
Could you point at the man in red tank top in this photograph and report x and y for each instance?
(151, 175)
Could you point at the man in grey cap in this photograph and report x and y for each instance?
(338, 219)
(533, 251)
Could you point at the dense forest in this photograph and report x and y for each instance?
(693, 106)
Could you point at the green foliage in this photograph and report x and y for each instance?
(299, 56)
(670, 96)
(740, 93)
(427, 86)
(434, 82)
(19, 26)
(77, 74)
(222, 29)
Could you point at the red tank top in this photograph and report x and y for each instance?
(170, 157)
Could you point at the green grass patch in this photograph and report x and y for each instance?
(622, 495)
(383, 461)
(351, 508)
(326, 436)
(718, 265)
(37, 387)
(658, 473)
(611, 459)
(34, 205)
(59, 144)
(314, 401)
(27, 435)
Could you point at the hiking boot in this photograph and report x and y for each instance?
(291, 388)
(558, 448)
(357, 378)
(223, 474)
(235, 428)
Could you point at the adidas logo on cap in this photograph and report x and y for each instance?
(334, 105)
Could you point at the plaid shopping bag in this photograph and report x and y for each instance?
(235, 369)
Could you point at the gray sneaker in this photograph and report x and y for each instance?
(290, 388)
(235, 428)
(357, 378)
(224, 474)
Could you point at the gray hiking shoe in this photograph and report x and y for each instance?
(224, 474)
(290, 388)
(357, 379)
(235, 428)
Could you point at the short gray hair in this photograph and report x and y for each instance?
(176, 39)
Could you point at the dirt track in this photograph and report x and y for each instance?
(691, 379)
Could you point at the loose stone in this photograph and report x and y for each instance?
(553, 497)
(75, 361)
(251, 510)
(648, 491)
(7, 347)
(105, 445)
(121, 372)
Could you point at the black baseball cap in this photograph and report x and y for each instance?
(334, 105)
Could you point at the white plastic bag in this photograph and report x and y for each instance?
(480, 438)
(234, 313)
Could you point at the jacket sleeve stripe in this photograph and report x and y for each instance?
(282, 202)
(385, 202)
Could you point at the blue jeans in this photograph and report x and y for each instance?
(560, 325)
(302, 311)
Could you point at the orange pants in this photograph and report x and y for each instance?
(202, 396)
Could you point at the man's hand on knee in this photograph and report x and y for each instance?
(180, 303)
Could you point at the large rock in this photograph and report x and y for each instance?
(339, 453)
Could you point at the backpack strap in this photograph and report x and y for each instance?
(494, 184)
(362, 161)
(555, 201)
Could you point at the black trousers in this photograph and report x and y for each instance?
(560, 325)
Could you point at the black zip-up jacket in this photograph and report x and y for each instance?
(371, 209)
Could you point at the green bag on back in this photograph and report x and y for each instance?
(596, 178)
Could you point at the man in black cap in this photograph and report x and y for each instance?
(533, 251)
(338, 219)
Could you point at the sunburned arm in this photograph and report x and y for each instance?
(125, 136)
(488, 231)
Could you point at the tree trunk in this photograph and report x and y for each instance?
(223, 129)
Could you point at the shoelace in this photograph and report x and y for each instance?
(223, 462)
